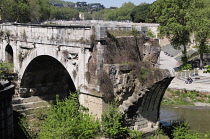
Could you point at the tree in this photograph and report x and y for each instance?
(15, 10)
(100, 15)
(140, 12)
(7, 10)
(200, 25)
(120, 14)
(112, 122)
(87, 16)
(22, 11)
(35, 10)
(172, 15)
(65, 13)
(44, 10)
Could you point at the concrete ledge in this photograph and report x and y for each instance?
(201, 104)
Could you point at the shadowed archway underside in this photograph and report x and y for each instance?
(9, 54)
(46, 76)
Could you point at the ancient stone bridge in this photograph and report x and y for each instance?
(55, 59)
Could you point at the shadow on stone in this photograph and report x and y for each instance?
(19, 131)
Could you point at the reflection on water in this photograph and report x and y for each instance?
(197, 117)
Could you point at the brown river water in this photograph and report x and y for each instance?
(197, 117)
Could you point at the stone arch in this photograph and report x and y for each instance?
(38, 53)
(47, 51)
(45, 77)
(9, 54)
(142, 107)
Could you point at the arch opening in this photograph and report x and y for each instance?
(145, 113)
(9, 54)
(45, 77)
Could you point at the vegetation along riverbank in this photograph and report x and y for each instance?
(185, 97)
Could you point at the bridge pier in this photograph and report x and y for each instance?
(140, 103)
(6, 111)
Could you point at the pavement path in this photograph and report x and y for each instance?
(201, 82)
(200, 86)
(167, 62)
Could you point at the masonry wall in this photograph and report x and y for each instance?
(128, 75)
(140, 102)
(6, 111)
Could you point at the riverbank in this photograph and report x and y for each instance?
(186, 97)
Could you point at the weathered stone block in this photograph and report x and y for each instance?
(24, 92)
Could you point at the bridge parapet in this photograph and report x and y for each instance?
(48, 34)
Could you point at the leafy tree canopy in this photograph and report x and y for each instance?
(140, 12)
(34, 11)
(172, 15)
(200, 25)
(120, 14)
(61, 2)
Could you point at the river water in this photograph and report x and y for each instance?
(197, 117)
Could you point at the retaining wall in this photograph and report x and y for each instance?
(6, 111)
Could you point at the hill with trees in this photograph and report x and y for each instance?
(34, 11)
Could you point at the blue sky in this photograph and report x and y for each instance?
(115, 3)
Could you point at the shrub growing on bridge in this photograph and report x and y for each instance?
(5, 68)
(112, 122)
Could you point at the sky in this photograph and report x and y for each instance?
(114, 3)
